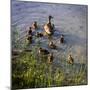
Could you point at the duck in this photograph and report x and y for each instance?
(43, 51)
(49, 27)
(70, 59)
(62, 39)
(30, 31)
(34, 25)
(38, 34)
(29, 38)
(52, 45)
(50, 58)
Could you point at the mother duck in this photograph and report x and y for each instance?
(49, 27)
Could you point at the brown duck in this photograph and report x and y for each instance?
(39, 34)
(62, 39)
(52, 45)
(29, 38)
(70, 59)
(30, 31)
(50, 58)
(34, 25)
(48, 27)
(43, 51)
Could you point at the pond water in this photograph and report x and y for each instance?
(69, 20)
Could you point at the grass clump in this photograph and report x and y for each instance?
(29, 72)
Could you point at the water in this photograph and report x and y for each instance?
(70, 20)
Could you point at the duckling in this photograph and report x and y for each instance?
(29, 38)
(39, 34)
(48, 27)
(62, 39)
(34, 25)
(43, 51)
(50, 58)
(52, 46)
(30, 31)
(70, 59)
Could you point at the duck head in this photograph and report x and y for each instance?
(35, 22)
(34, 25)
(50, 17)
(62, 36)
(69, 55)
(40, 49)
(51, 43)
(30, 28)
